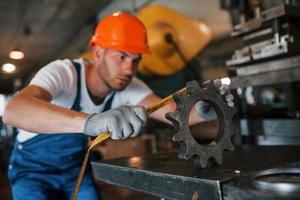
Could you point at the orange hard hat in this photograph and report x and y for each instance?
(121, 31)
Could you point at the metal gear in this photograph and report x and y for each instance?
(180, 118)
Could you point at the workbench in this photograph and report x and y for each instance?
(166, 176)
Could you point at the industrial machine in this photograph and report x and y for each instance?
(267, 70)
(173, 48)
(171, 45)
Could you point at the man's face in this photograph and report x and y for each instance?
(117, 68)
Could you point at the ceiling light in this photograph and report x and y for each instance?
(16, 54)
(8, 67)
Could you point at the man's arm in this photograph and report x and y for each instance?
(30, 110)
(170, 107)
(202, 111)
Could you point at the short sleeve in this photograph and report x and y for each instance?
(55, 77)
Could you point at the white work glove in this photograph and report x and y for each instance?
(206, 110)
(121, 122)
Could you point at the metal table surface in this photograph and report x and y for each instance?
(166, 176)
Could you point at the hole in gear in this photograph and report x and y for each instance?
(206, 133)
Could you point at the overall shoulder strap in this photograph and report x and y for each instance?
(76, 104)
(108, 104)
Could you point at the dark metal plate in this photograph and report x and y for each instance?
(166, 176)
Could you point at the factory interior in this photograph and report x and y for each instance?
(246, 148)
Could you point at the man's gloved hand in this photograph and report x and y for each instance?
(122, 122)
(206, 110)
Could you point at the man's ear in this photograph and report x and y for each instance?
(97, 52)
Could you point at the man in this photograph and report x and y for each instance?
(68, 101)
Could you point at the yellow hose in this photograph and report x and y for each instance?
(103, 136)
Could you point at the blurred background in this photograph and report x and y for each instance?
(253, 45)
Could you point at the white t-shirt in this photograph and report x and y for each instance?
(59, 78)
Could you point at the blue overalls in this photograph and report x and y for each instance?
(47, 166)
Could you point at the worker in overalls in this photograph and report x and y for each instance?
(69, 100)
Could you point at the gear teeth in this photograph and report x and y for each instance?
(181, 154)
(177, 138)
(172, 117)
(217, 158)
(212, 86)
(201, 154)
(188, 154)
(193, 87)
(229, 146)
(178, 98)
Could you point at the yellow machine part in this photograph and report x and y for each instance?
(87, 55)
(190, 35)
